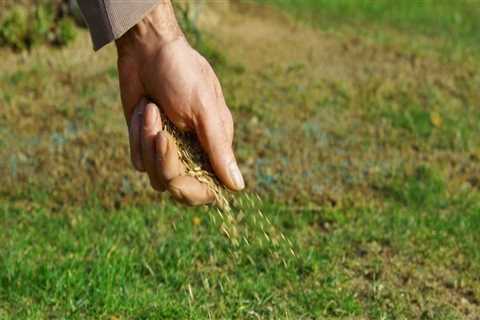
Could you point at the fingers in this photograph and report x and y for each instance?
(155, 151)
(134, 136)
(161, 161)
(214, 136)
(190, 191)
(185, 189)
(152, 124)
(168, 163)
(227, 120)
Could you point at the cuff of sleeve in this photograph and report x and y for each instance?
(98, 22)
(108, 20)
(125, 14)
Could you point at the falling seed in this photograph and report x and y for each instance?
(292, 252)
(266, 236)
(190, 292)
(225, 231)
(197, 165)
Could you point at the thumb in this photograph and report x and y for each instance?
(213, 136)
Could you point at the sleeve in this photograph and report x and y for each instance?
(110, 19)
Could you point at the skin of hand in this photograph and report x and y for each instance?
(155, 62)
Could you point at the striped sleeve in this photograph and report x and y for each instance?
(108, 20)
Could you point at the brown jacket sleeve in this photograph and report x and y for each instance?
(110, 19)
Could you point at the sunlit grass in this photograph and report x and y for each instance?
(456, 21)
(167, 262)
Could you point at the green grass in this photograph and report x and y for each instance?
(455, 21)
(165, 262)
(154, 262)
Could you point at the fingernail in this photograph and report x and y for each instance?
(151, 115)
(236, 175)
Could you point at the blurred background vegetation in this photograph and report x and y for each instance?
(457, 20)
(23, 26)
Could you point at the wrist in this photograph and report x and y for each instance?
(155, 30)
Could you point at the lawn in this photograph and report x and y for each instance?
(354, 125)
(457, 21)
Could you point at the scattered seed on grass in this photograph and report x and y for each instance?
(197, 165)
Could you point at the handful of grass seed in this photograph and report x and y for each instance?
(196, 162)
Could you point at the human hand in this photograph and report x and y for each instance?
(158, 154)
(156, 61)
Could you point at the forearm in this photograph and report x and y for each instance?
(156, 29)
(110, 19)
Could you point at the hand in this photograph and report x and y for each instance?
(156, 61)
(159, 157)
